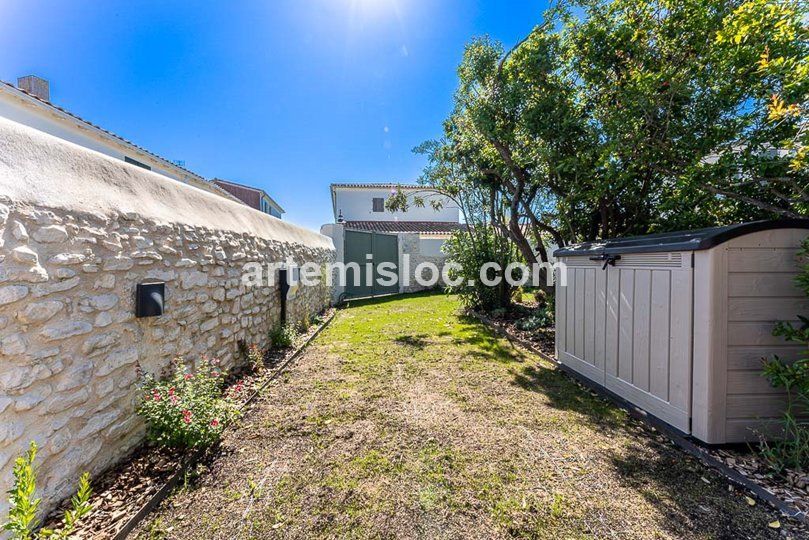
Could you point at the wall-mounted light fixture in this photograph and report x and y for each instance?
(149, 299)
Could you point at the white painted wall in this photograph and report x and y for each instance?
(76, 179)
(356, 204)
(431, 246)
(27, 111)
(336, 231)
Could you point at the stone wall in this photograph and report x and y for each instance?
(78, 231)
(409, 244)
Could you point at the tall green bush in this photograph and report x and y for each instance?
(470, 252)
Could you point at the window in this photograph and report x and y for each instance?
(137, 163)
(379, 204)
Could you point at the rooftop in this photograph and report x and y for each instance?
(422, 227)
(251, 188)
(8, 88)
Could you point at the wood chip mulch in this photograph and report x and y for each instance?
(789, 486)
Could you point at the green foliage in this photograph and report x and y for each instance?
(772, 37)
(255, 357)
(620, 117)
(399, 201)
(305, 324)
(79, 507)
(282, 336)
(541, 318)
(188, 410)
(470, 254)
(22, 518)
(793, 450)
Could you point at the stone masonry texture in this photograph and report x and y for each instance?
(70, 346)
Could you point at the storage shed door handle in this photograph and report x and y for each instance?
(607, 258)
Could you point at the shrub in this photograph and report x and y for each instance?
(539, 319)
(793, 450)
(470, 252)
(282, 336)
(188, 410)
(255, 357)
(22, 519)
(306, 324)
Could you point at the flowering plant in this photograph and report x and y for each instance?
(255, 356)
(187, 410)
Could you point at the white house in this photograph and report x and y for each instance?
(29, 104)
(366, 202)
(364, 230)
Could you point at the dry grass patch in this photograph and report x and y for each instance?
(406, 420)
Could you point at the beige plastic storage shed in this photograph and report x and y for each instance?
(677, 323)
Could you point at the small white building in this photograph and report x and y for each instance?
(365, 232)
(29, 104)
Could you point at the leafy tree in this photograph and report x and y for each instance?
(619, 117)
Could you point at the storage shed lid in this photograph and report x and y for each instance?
(678, 241)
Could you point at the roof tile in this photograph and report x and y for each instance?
(424, 227)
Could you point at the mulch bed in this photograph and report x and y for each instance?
(542, 339)
(790, 486)
(121, 492)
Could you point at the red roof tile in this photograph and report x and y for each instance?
(424, 227)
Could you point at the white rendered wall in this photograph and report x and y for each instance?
(431, 247)
(356, 204)
(29, 115)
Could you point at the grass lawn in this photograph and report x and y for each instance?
(404, 419)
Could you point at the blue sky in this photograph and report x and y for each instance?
(287, 95)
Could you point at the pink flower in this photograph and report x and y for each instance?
(188, 376)
(214, 423)
(187, 416)
(155, 395)
(174, 400)
(171, 391)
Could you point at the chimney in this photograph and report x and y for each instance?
(36, 86)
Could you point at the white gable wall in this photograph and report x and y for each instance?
(356, 204)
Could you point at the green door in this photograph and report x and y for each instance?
(386, 250)
(368, 250)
